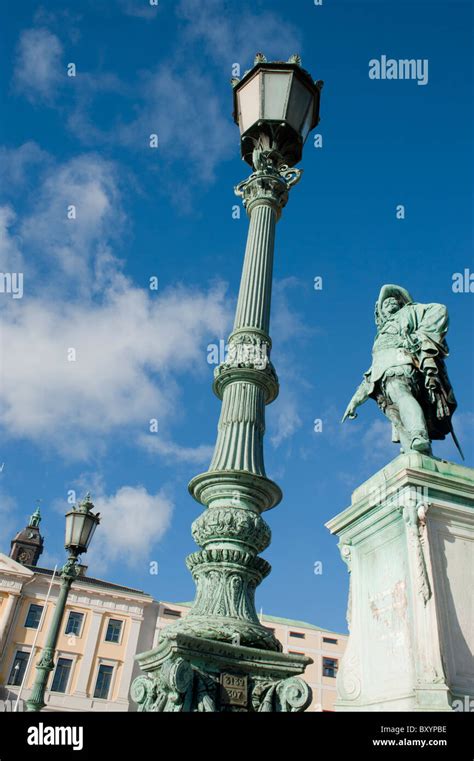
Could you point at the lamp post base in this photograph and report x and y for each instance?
(193, 674)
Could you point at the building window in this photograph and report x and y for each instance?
(172, 613)
(329, 667)
(34, 616)
(298, 635)
(330, 641)
(18, 669)
(104, 678)
(61, 675)
(74, 623)
(114, 630)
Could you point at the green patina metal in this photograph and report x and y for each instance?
(45, 665)
(77, 540)
(222, 638)
(408, 377)
(35, 519)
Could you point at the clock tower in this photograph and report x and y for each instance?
(27, 545)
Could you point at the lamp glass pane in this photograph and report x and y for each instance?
(275, 90)
(307, 122)
(79, 529)
(87, 530)
(68, 532)
(298, 106)
(248, 99)
(73, 529)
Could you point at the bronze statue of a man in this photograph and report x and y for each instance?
(408, 377)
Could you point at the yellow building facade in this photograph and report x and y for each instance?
(325, 647)
(103, 627)
(100, 634)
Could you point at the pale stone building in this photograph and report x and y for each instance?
(104, 626)
(325, 647)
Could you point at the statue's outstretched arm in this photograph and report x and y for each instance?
(361, 395)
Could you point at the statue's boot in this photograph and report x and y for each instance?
(421, 443)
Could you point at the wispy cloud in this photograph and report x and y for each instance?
(78, 213)
(125, 352)
(184, 108)
(17, 163)
(38, 68)
(89, 351)
(200, 455)
(233, 35)
(132, 522)
(139, 8)
(8, 514)
(291, 334)
(185, 101)
(11, 258)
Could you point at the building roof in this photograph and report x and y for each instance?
(92, 581)
(301, 624)
(276, 620)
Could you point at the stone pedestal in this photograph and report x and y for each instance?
(189, 673)
(408, 541)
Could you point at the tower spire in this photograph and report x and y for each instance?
(27, 545)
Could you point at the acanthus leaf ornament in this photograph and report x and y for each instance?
(222, 628)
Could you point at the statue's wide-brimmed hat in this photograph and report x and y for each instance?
(401, 294)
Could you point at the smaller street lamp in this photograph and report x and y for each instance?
(81, 523)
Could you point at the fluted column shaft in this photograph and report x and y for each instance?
(235, 489)
(253, 306)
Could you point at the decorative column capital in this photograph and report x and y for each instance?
(70, 571)
(270, 184)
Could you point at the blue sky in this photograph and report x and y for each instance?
(167, 212)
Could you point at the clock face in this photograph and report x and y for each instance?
(23, 556)
(31, 535)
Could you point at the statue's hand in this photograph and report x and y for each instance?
(350, 411)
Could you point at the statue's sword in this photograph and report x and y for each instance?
(440, 392)
(455, 439)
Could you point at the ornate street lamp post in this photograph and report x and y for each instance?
(220, 657)
(80, 526)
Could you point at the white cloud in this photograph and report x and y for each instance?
(38, 67)
(15, 163)
(189, 106)
(180, 100)
(286, 419)
(11, 259)
(132, 521)
(237, 36)
(129, 351)
(182, 106)
(8, 517)
(376, 440)
(130, 344)
(184, 102)
(139, 8)
(199, 455)
(290, 333)
(90, 185)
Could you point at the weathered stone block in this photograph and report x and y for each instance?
(408, 541)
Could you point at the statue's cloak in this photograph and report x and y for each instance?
(422, 328)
